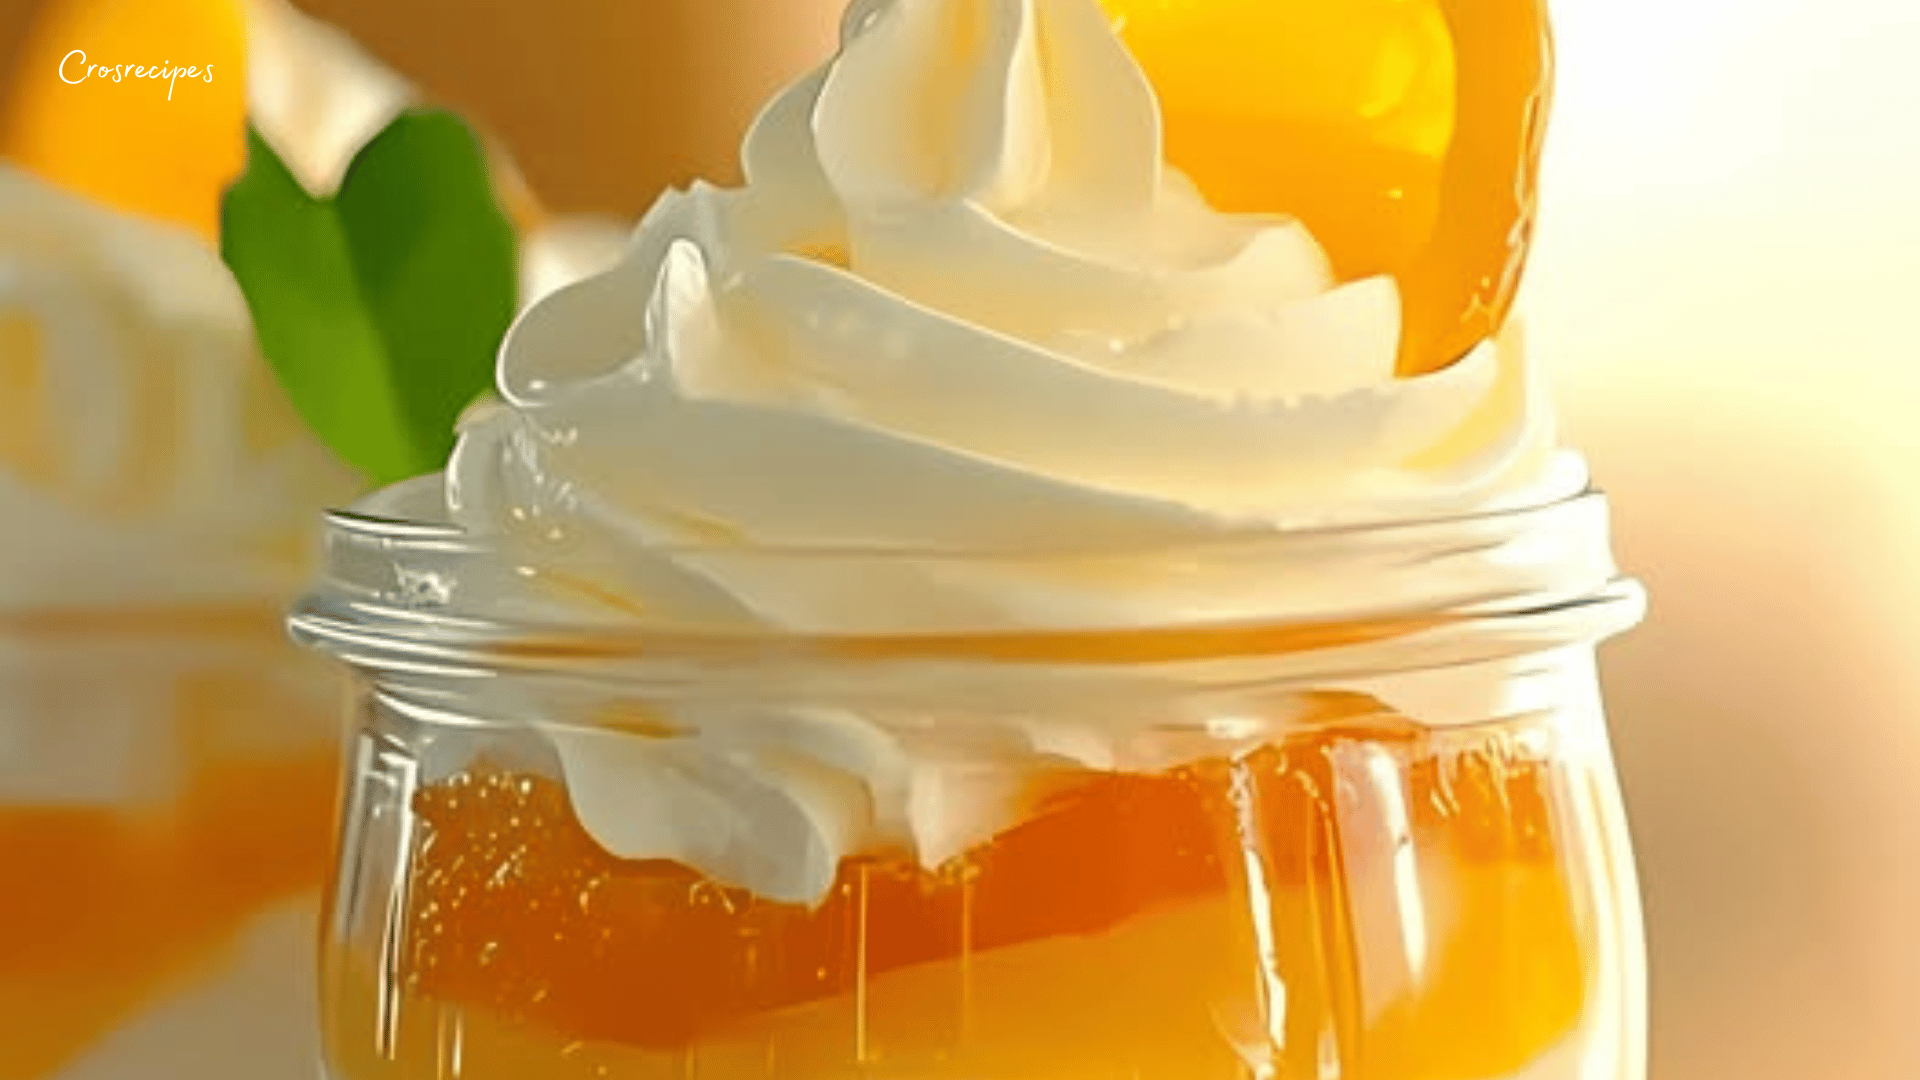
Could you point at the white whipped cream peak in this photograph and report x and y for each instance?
(962, 304)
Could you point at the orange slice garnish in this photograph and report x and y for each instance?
(1404, 133)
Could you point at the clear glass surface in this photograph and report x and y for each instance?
(1364, 849)
(1360, 896)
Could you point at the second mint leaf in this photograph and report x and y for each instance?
(380, 309)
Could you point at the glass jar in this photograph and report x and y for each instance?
(1372, 848)
(167, 780)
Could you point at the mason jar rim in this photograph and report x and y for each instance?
(397, 592)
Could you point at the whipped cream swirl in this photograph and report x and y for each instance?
(961, 305)
(961, 316)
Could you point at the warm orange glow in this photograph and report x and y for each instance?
(1150, 894)
(1722, 294)
(1405, 133)
(125, 143)
(123, 901)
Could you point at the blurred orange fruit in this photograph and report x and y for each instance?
(162, 148)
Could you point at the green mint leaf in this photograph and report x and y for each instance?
(381, 308)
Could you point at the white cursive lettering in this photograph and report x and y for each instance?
(120, 72)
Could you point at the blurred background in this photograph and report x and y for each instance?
(1729, 235)
(1722, 287)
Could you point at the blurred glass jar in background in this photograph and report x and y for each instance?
(168, 764)
(168, 761)
(165, 755)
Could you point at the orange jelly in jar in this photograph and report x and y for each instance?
(1221, 876)
(1218, 920)
(1406, 134)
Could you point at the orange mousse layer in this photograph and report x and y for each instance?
(1391, 897)
(106, 907)
(1405, 133)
